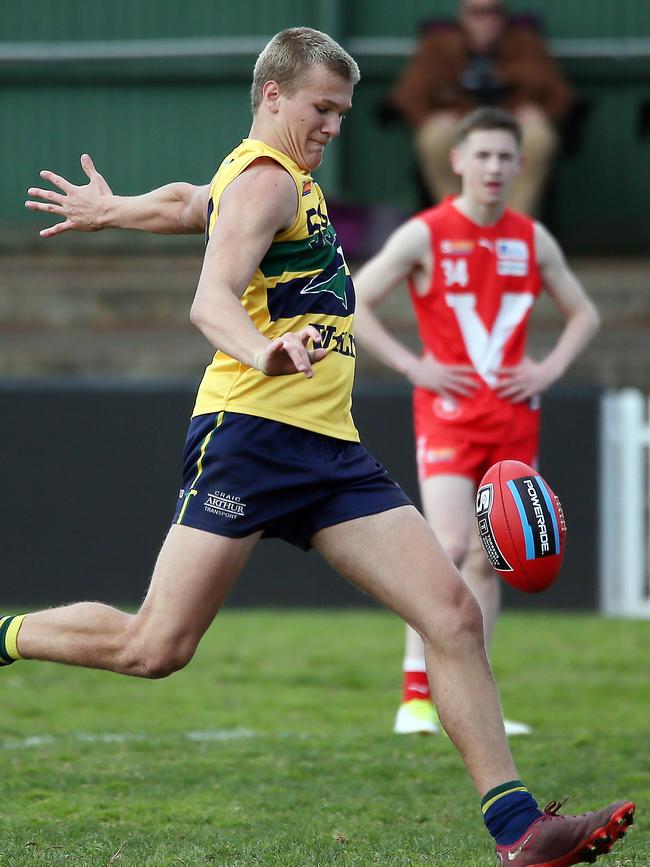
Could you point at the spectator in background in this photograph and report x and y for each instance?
(485, 57)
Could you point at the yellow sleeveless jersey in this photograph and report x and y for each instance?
(302, 280)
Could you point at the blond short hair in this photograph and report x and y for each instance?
(290, 55)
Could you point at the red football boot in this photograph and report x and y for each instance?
(559, 841)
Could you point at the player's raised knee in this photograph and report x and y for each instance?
(157, 659)
(470, 618)
(462, 621)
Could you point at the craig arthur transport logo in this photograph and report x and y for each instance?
(219, 503)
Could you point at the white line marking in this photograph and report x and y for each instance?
(126, 737)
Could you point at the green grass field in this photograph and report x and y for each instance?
(274, 747)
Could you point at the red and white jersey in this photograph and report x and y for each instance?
(475, 312)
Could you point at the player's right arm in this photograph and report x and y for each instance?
(406, 254)
(173, 209)
(405, 251)
(253, 208)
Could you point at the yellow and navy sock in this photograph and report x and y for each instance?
(508, 810)
(9, 627)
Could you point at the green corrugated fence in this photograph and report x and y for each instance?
(158, 90)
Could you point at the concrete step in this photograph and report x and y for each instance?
(127, 314)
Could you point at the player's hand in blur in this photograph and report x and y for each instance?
(81, 207)
(519, 383)
(457, 380)
(290, 354)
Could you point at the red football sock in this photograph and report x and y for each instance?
(416, 685)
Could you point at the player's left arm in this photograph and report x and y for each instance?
(581, 324)
(174, 209)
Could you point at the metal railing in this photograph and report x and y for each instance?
(625, 48)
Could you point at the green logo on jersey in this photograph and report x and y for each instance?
(333, 280)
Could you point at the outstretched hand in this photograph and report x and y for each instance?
(289, 354)
(81, 206)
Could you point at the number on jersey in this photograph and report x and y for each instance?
(455, 271)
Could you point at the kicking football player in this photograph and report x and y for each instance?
(273, 415)
(474, 270)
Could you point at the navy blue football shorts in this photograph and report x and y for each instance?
(242, 474)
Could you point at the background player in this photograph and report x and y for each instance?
(474, 270)
(281, 457)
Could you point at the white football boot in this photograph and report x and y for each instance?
(416, 717)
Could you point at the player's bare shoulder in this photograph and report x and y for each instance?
(264, 188)
(415, 238)
(410, 245)
(406, 254)
(422, 254)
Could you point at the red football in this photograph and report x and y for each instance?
(521, 524)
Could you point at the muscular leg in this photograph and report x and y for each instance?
(194, 572)
(448, 506)
(395, 557)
